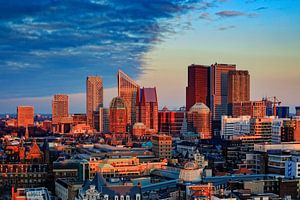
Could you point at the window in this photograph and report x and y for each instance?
(127, 197)
(138, 197)
(116, 197)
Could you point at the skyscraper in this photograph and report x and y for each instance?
(60, 107)
(94, 97)
(128, 90)
(25, 116)
(147, 109)
(117, 115)
(198, 89)
(238, 86)
(219, 89)
(60, 112)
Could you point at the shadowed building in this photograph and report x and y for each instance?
(298, 111)
(25, 116)
(170, 121)
(94, 98)
(199, 120)
(147, 109)
(128, 89)
(117, 116)
(198, 89)
(283, 111)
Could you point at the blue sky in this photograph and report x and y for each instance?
(49, 47)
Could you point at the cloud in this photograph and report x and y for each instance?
(205, 16)
(50, 46)
(261, 8)
(232, 13)
(223, 28)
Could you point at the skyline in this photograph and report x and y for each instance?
(238, 33)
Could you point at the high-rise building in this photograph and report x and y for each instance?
(147, 109)
(60, 107)
(94, 97)
(298, 111)
(128, 90)
(283, 111)
(162, 146)
(199, 120)
(219, 89)
(25, 116)
(234, 126)
(198, 89)
(238, 87)
(117, 116)
(170, 121)
(255, 109)
(60, 113)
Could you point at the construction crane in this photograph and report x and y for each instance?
(275, 101)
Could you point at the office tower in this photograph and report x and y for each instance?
(170, 121)
(238, 88)
(283, 111)
(261, 127)
(128, 90)
(198, 89)
(298, 111)
(61, 121)
(60, 107)
(94, 97)
(255, 109)
(162, 146)
(147, 109)
(285, 130)
(117, 116)
(219, 89)
(25, 116)
(79, 118)
(199, 120)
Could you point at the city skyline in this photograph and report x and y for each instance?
(241, 33)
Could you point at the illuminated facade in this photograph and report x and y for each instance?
(199, 120)
(147, 109)
(25, 116)
(117, 116)
(198, 89)
(162, 146)
(61, 122)
(129, 91)
(255, 109)
(170, 121)
(94, 97)
(219, 89)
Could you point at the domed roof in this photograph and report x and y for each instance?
(165, 109)
(199, 107)
(117, 102)
(191, 166)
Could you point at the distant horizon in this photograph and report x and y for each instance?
(42, 55)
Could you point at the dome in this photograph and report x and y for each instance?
(165, 109)
(118, 103)
(199, 107)
(139, 125)
(191, 166)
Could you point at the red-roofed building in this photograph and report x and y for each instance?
(147, 109)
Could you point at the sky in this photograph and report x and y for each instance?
(50, 46)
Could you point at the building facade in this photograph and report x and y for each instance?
(60, 113)
(162, 146)
(129, 91)
(94, 97)
(199, 120)
(255, 109)
(147, 109)
(25, 115)
(198, 89)
(117, 116)
(170, 121)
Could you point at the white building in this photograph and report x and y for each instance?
(235, 126)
